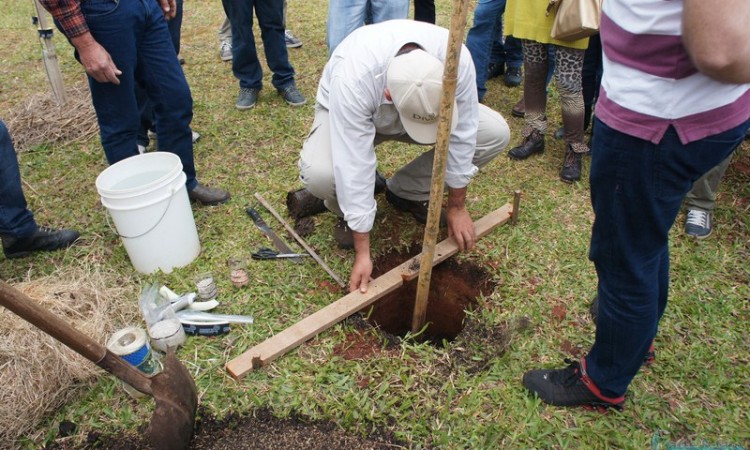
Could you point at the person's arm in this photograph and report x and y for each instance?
(169, 8)
(716, 34)
(460, 225)
(94, 58)
(362, 269)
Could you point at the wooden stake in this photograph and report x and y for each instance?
(455, 38)
(310, 326)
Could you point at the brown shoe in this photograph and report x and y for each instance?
(343, 234)
(208, 196)
(532, 143)
(519, 109)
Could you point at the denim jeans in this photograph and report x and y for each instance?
(637, 188)
(145, 106)
(345, 16)
(15, 218)
(484, 32)
(245, 63)
(135, 34)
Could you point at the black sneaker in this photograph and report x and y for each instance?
(513, 76)
(44, 239)
(343, 234)
(292, 95)
(380, 183)
(570, 386)
(417, 208)
(495, 70)
(247, 98)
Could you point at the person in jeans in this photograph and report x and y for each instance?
(484, 41)
(525, 20)
(225, 38)
(119, 44)
(664, 118)
(18, 230)
(245, 63)
(384, 83)
(345, 16)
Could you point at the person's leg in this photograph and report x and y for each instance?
(344, 16)
(424, 11)
(636, 191)
(413, 181)
(568, 66)
(591, 77)
(245, 63)
(316, 163)
(112, 26)
(15, 218)
(225, 30)
(513, 52)
(483, 34)
(703, 193)
(383, 10)
(175, 26)
(168, 91)
(270, 15)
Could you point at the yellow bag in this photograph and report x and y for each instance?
(575, 19)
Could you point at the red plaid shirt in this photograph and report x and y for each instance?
(68, 14)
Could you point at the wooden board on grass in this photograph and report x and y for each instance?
(310, 326)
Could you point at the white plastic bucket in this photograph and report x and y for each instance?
(147, 199)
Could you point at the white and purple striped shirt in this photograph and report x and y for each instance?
(649, 82)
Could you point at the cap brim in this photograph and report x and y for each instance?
(427, 133)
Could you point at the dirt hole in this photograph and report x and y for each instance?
(454, 289)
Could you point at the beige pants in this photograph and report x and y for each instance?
(412, 181)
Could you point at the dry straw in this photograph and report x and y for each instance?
(39, 374)
(39, 120)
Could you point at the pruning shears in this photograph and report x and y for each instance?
(267, 253)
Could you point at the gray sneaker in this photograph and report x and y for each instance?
(291, 40)
(225, 50)
(247, 98)
(698, 224)
(292, 95)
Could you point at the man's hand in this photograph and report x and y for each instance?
(362, 270)
(169, 8)
(460, 225)
(96, 60)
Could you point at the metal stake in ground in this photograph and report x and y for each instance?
(49, 54)
(455, 37)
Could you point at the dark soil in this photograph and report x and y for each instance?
(258, 431)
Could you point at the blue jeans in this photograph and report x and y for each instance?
(509, 52)
(15, 218)
(484, 32)
(345, 16)
(135, 34)
(245, 63)
(145, 106)
(637, 188)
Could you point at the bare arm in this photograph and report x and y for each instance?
(362, 270)
(716, 34)
(460, 225)
(95, 59)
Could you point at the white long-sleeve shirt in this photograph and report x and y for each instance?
(352, 89)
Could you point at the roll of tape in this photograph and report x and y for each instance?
(131, 344)
(167, 333)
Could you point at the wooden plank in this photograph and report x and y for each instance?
(309, 327)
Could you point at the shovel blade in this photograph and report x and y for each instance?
(174, 392)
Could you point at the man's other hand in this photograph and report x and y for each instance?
(461, 227)
(96, 60)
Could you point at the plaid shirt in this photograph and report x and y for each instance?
(68, 14)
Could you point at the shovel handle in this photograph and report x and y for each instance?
(32, 312)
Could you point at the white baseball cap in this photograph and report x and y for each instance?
(415, 81)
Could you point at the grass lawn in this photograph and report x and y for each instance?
(696, 393)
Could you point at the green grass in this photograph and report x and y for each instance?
(697, 392)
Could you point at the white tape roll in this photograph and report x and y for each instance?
(167, 333)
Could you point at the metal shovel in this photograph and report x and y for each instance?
(173, 389)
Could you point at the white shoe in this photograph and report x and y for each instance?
(225, 50)
(141, 149)
(196, 136)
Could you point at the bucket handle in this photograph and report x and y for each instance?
(109, 224)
